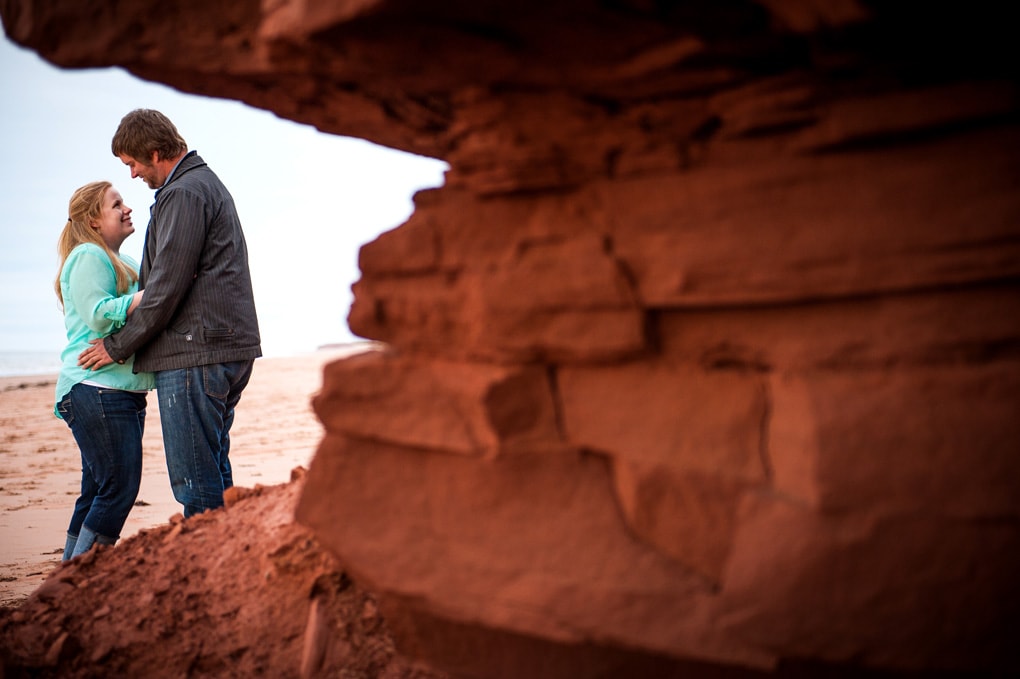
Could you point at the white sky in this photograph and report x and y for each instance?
(307, 200)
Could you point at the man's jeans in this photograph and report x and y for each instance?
(107, 425)
(196, 407)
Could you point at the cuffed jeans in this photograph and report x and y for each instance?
(107, 424)
(196, 407)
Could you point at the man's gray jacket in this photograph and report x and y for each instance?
(198, 306)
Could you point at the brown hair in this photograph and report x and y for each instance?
(85, 207)
(143, 131)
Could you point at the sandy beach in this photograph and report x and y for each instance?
(274, 431)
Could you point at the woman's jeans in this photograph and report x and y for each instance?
(196, 408)
(107, 424)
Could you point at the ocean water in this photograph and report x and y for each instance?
(23, 363)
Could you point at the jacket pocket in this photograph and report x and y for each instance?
(218, 334)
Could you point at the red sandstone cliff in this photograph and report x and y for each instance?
(708, 351)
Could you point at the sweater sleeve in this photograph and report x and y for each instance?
(90, 285)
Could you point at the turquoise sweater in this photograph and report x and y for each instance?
(92, 310)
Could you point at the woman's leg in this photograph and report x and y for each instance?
(86, 539)
(108, 425)
(88, 492)
(88, 485)
(69, 543)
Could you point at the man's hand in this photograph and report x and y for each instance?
(95, 356)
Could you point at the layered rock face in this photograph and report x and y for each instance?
(705, 359)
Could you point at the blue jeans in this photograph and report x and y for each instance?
(107, 424)
(196, 407)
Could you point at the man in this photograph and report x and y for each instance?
(196, 327)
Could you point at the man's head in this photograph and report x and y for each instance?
(148, 143)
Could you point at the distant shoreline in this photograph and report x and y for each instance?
(28, 365)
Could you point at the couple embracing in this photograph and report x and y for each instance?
(184, 324)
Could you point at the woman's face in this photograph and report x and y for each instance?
(114, 223)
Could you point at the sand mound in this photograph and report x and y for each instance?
(239, 592)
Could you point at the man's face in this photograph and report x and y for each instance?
(150, 171)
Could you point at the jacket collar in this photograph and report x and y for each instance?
(190, 161)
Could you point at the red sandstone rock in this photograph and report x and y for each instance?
(705, 357)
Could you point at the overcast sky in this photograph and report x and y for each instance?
(307, 200)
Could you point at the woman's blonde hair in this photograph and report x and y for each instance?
(85, 207)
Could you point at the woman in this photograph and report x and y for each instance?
(105, 408)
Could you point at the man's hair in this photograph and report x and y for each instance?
(143, 131)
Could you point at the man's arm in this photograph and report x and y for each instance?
(96, 355)
(179, 232)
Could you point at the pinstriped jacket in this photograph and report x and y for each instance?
(198, 306)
